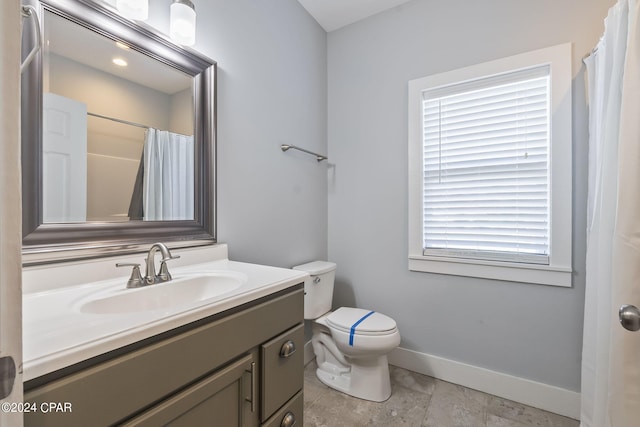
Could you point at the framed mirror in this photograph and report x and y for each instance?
(118, 137)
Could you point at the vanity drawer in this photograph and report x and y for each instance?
(289, 415)
(282, 369)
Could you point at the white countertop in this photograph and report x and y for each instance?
(56, 334)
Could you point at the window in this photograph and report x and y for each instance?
(490, 170)
(485, 170)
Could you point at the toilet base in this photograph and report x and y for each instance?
(367, 378)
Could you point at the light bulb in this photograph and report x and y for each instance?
(182, 25)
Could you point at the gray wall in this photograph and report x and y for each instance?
(271, 55)
(531, 331)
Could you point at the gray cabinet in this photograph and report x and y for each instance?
(239, 368)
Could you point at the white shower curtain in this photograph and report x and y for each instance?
(611, 355)
(168, 183)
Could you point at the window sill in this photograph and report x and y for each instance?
(511, 272)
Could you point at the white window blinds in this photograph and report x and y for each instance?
(486, 168)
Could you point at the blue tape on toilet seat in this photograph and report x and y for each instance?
(353, 327)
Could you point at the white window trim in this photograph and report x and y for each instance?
(559, 271)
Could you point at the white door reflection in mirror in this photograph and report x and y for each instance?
(64, 159)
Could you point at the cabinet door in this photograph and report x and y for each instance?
(225, 398)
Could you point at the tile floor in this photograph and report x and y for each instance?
(420, 401)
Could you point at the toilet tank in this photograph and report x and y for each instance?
(318, 289)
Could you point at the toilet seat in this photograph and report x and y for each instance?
(357, 321)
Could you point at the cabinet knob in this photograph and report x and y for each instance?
(287, 349)
(289, 420)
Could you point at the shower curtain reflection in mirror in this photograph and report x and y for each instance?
(164, 187)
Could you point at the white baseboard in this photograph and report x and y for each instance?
(532, 393)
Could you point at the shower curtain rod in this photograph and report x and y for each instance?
(117, 120)
(588, 54)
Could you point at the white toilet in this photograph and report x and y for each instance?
(350, 344)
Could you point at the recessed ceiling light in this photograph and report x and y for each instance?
(122, 46)
(120, 62)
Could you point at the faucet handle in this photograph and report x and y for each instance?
(164, 274)
(135, 280)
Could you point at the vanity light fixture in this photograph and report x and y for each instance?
(134, 9)
(182, 23)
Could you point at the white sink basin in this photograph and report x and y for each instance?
(184, 290)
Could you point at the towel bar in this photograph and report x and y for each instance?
(319, 157)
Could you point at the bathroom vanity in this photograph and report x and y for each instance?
(230, 360)
(218, 344)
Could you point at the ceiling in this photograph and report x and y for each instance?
(84, 46)
(334, 14)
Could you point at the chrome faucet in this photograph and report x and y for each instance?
(150, 276)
